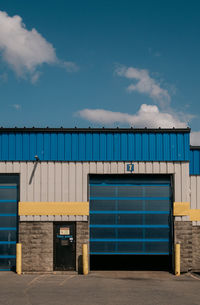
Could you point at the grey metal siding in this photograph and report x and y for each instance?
(68, 181)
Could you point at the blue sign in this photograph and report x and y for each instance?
(130, 167)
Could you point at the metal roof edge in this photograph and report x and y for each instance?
(194, 147)
(98, 130)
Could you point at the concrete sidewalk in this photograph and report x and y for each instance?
(105, 287)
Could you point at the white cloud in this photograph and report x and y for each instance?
(70, 66)
(16, 106)
(145, 84)
(195, 138)
(147, 116)
(24, 50)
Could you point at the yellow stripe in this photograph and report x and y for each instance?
(54, 208)
(181, 208)
(194, 215)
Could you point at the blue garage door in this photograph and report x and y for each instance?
(8, 225)
(130, 215)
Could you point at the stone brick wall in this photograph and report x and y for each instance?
(196, 248)
(82, 237)
(37, 246)
(183, 235)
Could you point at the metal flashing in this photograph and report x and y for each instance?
(93, 130)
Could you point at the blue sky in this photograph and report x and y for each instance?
(100, 63)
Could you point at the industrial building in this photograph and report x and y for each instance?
(124, 192)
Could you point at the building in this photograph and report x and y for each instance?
(123, 191)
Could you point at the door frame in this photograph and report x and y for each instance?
(64, 223)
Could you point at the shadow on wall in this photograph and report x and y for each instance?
(80, 264)
(33, 172)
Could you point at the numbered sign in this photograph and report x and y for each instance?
(130, 167)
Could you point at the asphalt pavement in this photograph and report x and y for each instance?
(105, 287)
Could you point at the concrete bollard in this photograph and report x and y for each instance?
(85, 259)
(177, 259)
(19, 258)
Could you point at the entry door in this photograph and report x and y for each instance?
(64, 246)
(130, 215)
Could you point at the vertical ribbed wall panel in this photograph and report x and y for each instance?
(195, 192)
(95, 146)
(194, 161)
(68, 181)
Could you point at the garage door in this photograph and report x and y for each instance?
(130, 215)
(8, 223)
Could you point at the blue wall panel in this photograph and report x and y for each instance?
(12, 146)
(96, 146)
(195, 161)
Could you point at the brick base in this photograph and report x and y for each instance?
(183, 235)
(82, 237)
(196, 248)
(37, 245)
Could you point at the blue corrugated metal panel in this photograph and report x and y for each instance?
(195, 161)
(47, 155)
(118, 147)
(88, 147)
(109, 143)
(26, 146)
(95, 146)
(68, 147)
(173, 146)
(186, 141)
(102, 146)
(145, 148)
(33, 146)
(11, 146)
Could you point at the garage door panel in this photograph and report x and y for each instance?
(103, 247)
(8, 235)
(103, 219)
(130, 233)
(7, 263)
(157, 247)
(129, 205)
(8, 192)
(129, 191)
(157, 191)
(103, 205)
(8, 222)
(102, 191)
(130, 218)
(157, 205)
(9, 248)
(8, 207)
(102, 232)
(156, 219)
(130, 247)
(158, 233)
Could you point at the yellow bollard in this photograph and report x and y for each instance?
(19, 258)
(85, 259)
(177, 259)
